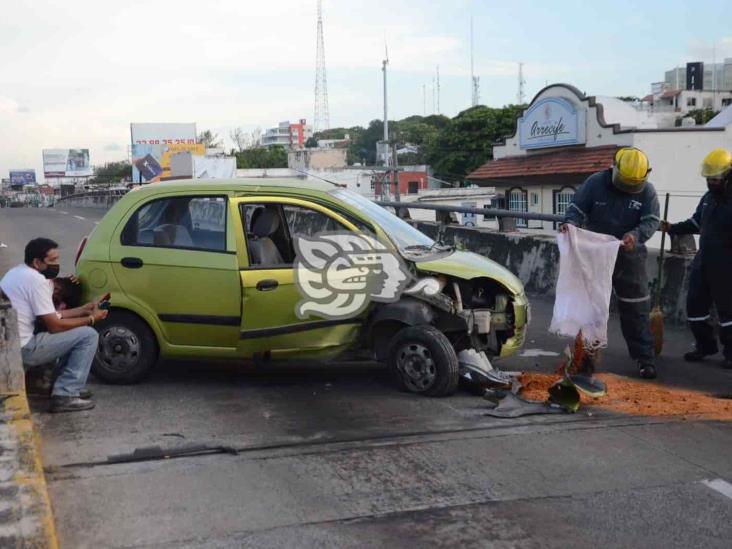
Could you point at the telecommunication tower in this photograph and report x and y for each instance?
(322, 116)
(520, 96)
(474, 80)
(437, 81)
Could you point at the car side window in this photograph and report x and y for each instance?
(270, 228)
(186, 222)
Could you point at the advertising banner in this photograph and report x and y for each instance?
(66, 163)
(156, 140)
(151, 163)
(22, 177)
(551, 122)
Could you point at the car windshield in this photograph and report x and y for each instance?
(405, 237)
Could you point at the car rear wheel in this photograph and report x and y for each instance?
(422, 360)
(127, 349)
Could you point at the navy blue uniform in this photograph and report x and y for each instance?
(600, 207)
(709, 279)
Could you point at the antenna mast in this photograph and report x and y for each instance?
(474, 80)
(438, 89)
(520, 96)
(322, 115)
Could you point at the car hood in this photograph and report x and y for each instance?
(469, 265)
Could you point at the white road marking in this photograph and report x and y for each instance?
(533, 353)
(63, 212)
(79, 217)
(719, 485)
(3, 245)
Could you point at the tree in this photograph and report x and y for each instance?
(311, 143)
(262, 157)
(209, 139)
(239, 138)
(112, 172)
(700, 116)
(466, 142)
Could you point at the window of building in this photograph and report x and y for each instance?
(413, 187)
(518, 202)
(188, 222)
(534, 199)
(562, 199)
(691, 101)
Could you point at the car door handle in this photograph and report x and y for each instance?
(267, 285)
(132, 262)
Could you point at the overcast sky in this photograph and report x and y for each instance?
(75, 73)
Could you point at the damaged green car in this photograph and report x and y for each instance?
(206, 269)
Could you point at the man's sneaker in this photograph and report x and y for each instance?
(646, 369)
(696, 355)
(85, 394)
(70, 404)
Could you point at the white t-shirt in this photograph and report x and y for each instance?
(31, 296)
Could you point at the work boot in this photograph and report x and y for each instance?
(646, 369)
(697, 355)
(69, 404)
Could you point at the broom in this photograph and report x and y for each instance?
(657, 313)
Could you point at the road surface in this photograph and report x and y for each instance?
(334, 456)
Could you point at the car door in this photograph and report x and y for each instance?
(269, 324)
(175, 257)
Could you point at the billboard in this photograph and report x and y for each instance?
(151, 163)
(22, 177)
(66, 163)
(154, 140)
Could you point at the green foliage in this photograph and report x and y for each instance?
(112, 172)
(467, 140)
(210, 139)
(311, 143)
(262, 157)
(700, 116)
(628, 98)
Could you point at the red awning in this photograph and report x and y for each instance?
(567, 161)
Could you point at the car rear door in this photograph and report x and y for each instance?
(175, 257)
(269, 324)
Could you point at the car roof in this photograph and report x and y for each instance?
(238, 184)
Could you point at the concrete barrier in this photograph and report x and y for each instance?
(534, 258)
(27, 518)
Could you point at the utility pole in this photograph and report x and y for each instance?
(438, 89)
(395, 171)
(520, 96)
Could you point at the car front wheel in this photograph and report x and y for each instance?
(127, 349)
(422, 360)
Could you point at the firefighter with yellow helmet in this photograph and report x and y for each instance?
(621, 202)
(709, 280)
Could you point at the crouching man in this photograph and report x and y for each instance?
(70, 339)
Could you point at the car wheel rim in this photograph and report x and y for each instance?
(119, 348)
(417, 367)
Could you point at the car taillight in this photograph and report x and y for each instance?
(80, 249)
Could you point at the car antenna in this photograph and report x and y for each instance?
(317, 177)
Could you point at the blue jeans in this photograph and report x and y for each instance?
(74, 350)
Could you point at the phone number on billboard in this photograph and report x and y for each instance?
(166, 141)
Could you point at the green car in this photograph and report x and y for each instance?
(204, 269)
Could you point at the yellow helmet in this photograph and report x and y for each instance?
(630, 170)
(717, 164)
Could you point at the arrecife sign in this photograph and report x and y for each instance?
(551, 122)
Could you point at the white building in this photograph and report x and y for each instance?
(287, 134)
(564, 136)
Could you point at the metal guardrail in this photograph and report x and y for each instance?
(488, 212)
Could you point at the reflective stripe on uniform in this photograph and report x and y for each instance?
(726, 324)
(573, 205)
(650, 216)
(698, 318)
(695, 223)
(633, 299)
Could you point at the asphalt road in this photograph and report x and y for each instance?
(334, 456)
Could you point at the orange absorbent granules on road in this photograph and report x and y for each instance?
(637, 397)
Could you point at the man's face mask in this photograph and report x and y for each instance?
(51, 271)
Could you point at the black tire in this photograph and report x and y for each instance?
(127, 349)
(422, 360)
